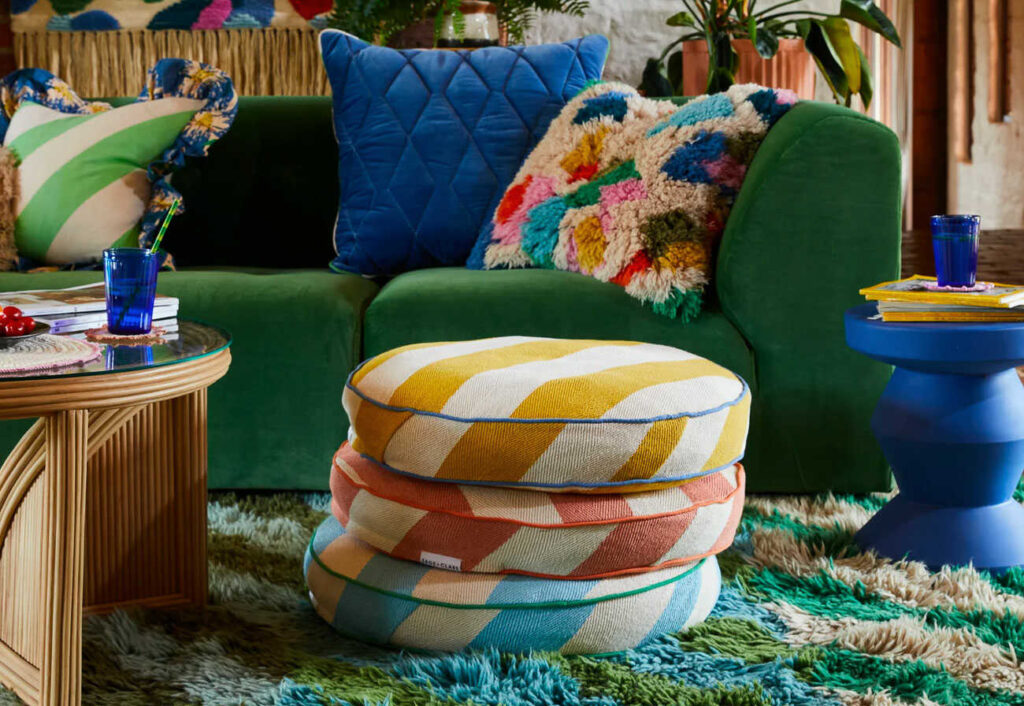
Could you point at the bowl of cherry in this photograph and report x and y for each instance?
(15, 326)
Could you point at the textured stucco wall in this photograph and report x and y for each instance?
(636, 29)
(992, 184)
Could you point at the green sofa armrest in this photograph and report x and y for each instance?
(818, 217)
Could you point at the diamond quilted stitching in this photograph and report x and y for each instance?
(474, 183)
(438, 144)
(413, 181)
(435, 68)
(414, 96)
(467, 95)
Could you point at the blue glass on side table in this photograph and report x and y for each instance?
(955, 243)
(951, 424)
(130, 277)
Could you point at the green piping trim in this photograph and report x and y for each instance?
(498, 606)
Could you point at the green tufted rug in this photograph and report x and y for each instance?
(804, 619)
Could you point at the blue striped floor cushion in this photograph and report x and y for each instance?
(547, 413)
(379, 599)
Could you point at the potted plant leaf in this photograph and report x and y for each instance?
(422, 22)
(731, 29)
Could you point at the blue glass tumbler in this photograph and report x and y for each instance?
(955, 242)
(130, 276)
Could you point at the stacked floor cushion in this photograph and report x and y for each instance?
(370, 596)
(528, 493)
(527, 412)
(504, 530)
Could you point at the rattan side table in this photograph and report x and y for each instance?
(103, 501)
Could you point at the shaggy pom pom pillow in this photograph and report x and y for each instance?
(633, 191)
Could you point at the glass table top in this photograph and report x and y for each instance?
(192, 340)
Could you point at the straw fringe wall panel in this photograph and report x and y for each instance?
(270, 61)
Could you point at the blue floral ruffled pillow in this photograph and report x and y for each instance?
(92, 176)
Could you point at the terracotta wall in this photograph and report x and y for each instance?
(991, 184)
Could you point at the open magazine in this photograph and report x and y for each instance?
(78, 308)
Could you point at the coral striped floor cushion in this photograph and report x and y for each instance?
(376, 598)
(476, 528)
(590, 416)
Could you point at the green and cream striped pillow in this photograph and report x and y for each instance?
(84, 185)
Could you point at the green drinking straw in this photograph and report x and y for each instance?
(163, 226)
(152, 251)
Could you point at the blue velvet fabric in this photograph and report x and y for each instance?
(428, 141)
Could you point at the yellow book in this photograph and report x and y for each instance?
(912, 289)
(951, 316)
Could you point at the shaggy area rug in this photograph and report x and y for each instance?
(805, 618)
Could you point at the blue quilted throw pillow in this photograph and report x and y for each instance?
(429, 140)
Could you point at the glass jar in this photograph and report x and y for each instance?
(480, 30)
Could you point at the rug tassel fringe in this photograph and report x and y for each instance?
(680, 304)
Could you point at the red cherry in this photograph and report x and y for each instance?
(22, 327)
(12, 311)
(8, 328)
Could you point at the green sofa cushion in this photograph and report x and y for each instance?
(448, 304)
(276, 418)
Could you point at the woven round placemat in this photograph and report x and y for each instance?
(103, 335)
(45, 352)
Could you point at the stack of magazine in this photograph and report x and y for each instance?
(78, 309)
(911, 299)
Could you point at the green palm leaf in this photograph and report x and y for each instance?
(865, 12)
(818, 44)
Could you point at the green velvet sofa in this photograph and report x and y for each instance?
(817, 218)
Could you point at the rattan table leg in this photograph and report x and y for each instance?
(60, 670)
(189, 413)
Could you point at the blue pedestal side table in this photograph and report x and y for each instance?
(951, 424)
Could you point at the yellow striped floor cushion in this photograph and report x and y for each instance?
(373, 597)
(553, 414)
(552, 535)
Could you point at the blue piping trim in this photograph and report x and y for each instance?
(522, 484)
(546, 420)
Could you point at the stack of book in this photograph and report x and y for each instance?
(78, 309)
(911, 300)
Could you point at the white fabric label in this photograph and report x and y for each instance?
(440, 561)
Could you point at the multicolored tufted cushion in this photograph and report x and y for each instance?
(428, 141)
(552, 535)
(373, 597)
(633, 191)
(561, 415)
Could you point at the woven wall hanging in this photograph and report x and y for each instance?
(103, 47)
